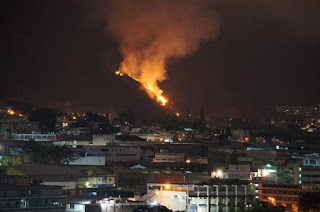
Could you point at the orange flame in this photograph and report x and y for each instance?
(153, 91)
(152, 32)
(157, 96)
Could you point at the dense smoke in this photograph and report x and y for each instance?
(151, 31)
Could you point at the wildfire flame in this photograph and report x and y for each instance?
(152, 32)
(154, 93)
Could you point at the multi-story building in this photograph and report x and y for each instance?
(23, 196)
(71, 178)
(256, 156)
(307, 175)
(308, 172)
(287, 195)
(201, 198)
(36, 136)
(168, 157)
(311, 159)
(123, 153)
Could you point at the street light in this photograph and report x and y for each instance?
(217, 174)
(167, 186)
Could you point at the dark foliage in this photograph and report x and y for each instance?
(39, 153)
(46, 118)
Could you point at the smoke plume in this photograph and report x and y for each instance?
(151, 31)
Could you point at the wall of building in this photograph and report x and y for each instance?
(166, 157)
(89, 161)
(307, 175)
(118, 153)
(34, 136)
(72, 185)
(103, 139)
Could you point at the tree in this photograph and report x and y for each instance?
(12, 160)
(39, 153)
(60, 155)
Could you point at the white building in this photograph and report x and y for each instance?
(34, 136)
(308, 173)
(201, 198)
(89, 161)
(311, 160)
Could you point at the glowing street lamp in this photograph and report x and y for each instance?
(167, 186)
(217, 174)
(11, 112)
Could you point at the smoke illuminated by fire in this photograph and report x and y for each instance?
(150, 32)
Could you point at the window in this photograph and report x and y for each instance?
(23, 203)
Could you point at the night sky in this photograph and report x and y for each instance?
(266, 53)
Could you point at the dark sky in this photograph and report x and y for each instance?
(267, 53)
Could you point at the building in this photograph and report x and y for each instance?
(155, 137)
(284, 194)
(311, 160)
(102, 204)
(122, 153)
(88, 161)
(109, 140)
(307, 175)
(255, 156)
(72, 178)
(23, 195)
(201, 198)
(36, 136)
(167, 157)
